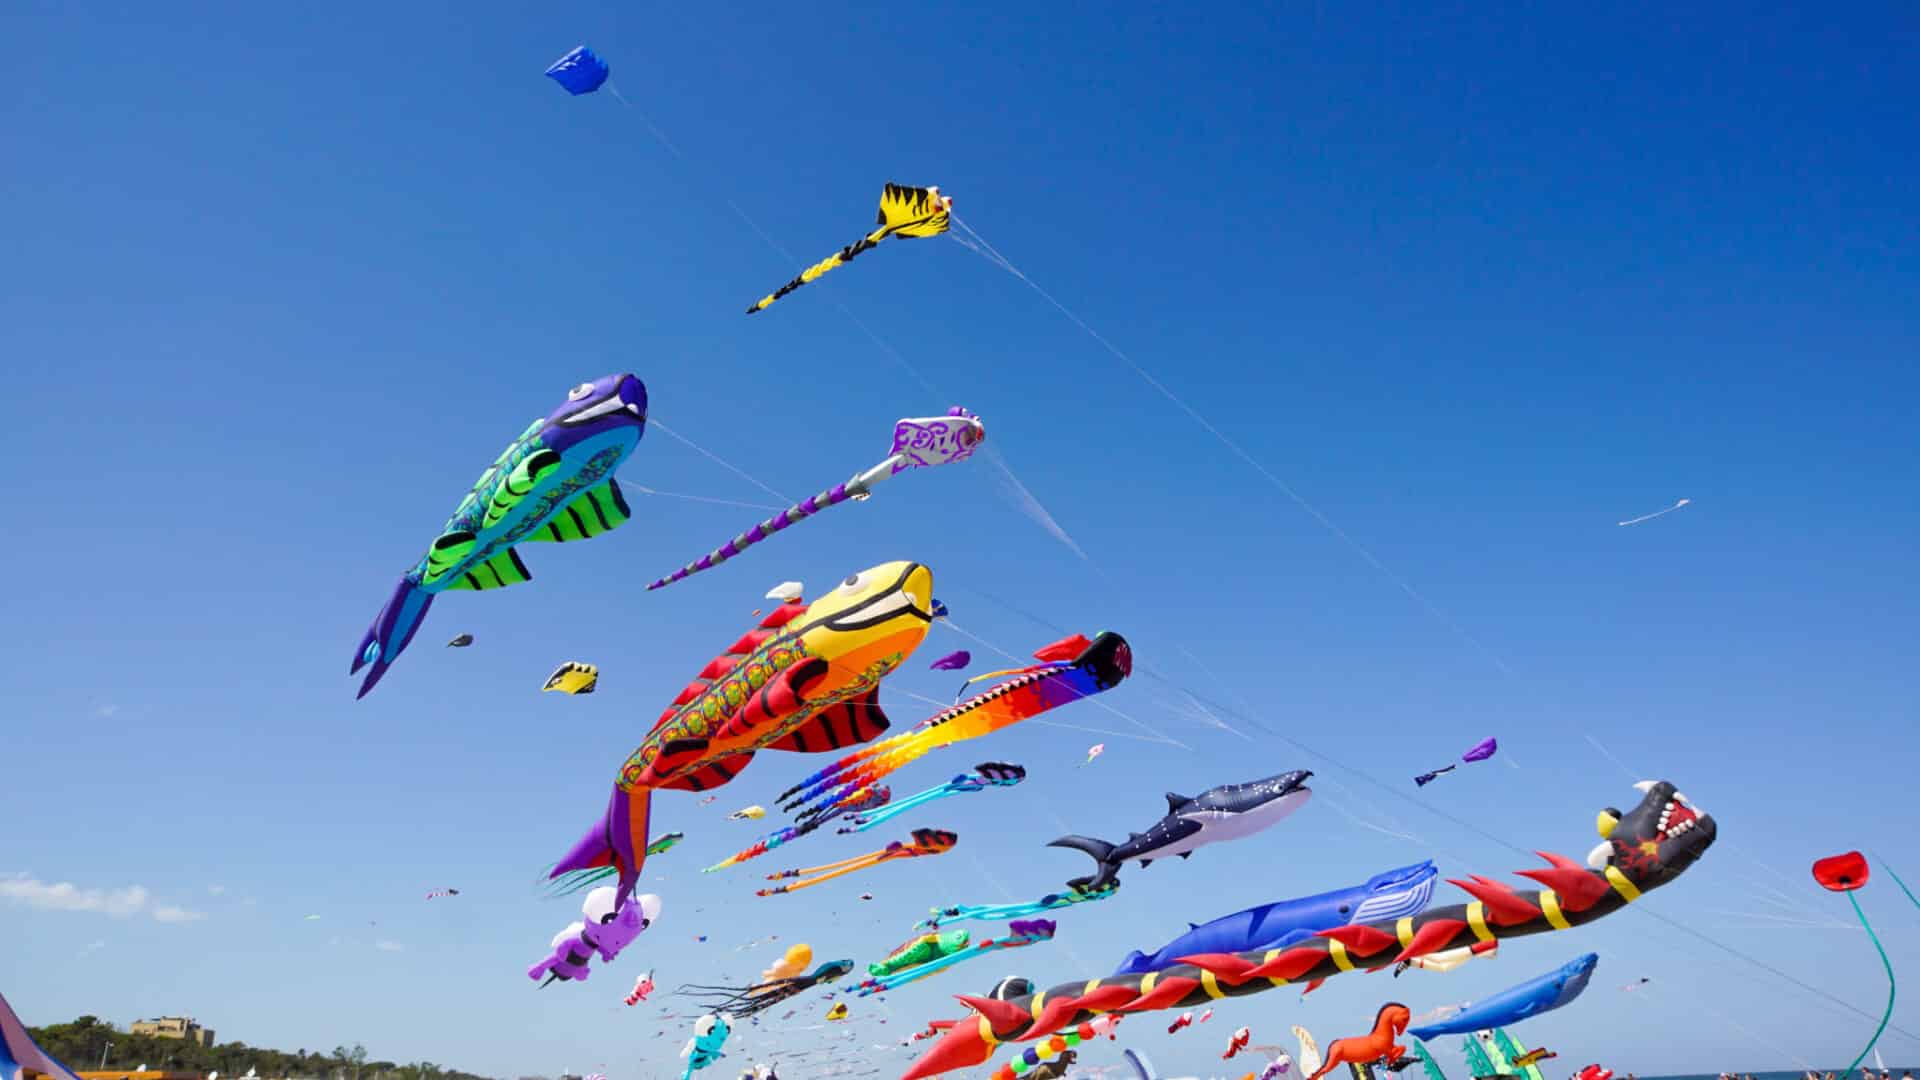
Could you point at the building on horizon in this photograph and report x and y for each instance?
(173, 1027)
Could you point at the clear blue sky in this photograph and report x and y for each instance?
(280, 280)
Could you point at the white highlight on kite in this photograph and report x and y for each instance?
(1660, 513)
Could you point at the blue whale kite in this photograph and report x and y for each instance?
(554, 483)
(1387, 895)
(1538, 995)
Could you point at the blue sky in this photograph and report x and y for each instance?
(1475, 284)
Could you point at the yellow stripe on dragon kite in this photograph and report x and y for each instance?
(1550, 906)
(1477, 920)
(1622, 886)
(906, 212)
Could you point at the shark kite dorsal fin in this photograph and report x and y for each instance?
(1175, 802)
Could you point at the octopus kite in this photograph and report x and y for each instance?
(923, 842)
(742, 1001)
(1641, 849)
(553, 483)
(807, 679)
(874, 798)
(995, 912)
(906, 212)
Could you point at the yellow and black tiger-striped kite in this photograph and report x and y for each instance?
(904, 211)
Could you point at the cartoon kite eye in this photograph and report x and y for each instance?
(580, 391)
(854, 582)
(599, 905)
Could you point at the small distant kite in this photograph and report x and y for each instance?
(1185, 1019)
(1204, 1017)
(1655, 514)
(748, 813)
(1481, 751)
(953, 661)
(918, 442)
(313, 918)
(1094, 751)
(580, 71)
(665, 842)
(866, 896)
(838, 1012)
(1632, 986)
(460, 641)
(573, 677)
(907, 212)
(1238, 1042)
(708, 799)
(642, 986)
(437, 893)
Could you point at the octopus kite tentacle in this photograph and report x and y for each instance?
(1643, 849)
(747, 1000)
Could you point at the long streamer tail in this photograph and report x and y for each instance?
(797, 512)
(1892, 989)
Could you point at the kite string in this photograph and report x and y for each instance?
(1286, 489)
(645, 490)
(718, 460)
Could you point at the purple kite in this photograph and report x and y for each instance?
(953, 661)
(1481, 751)
(917, 443)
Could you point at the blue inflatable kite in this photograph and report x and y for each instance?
(1516, 1003)
(580, 71)
(1388, 895)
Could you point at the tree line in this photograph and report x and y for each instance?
(83, 1043)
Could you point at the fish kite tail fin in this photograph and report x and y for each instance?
(616, 844)
(1099, 851)
(391, 631)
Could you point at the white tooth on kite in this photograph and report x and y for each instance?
(1643, 786)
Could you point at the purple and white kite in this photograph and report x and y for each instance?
(917, 444)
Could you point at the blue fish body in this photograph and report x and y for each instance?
(1388, 895)
(1538, 995)
(553, 483)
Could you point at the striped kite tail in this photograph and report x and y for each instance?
(839, 258)
(797, 512)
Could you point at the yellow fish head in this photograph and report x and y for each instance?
(876, 617)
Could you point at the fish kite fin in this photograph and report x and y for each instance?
(1099, 851)
(617, 840)
(518, 484)
(392, 629)
(594, 511)
(1175, 802)
(844, 724)
(784, 695)
(711, 775)
(498, 572)
(446, 552)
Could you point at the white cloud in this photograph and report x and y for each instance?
(105, 712)
(216, 890)
(171, 913)
(66, 896)
(389, 946)
(92, 947)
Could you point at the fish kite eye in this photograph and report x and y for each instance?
(853, 582)
(580, 391)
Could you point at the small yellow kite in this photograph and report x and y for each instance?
(904, 211)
